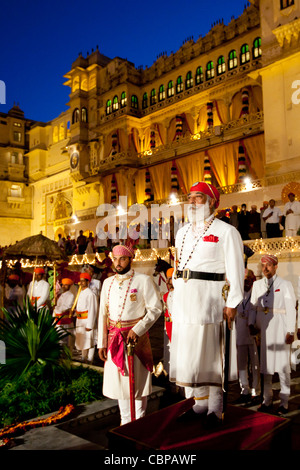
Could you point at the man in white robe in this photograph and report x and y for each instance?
(292, 216)
(39, 289)
(86, 320)
(273, 312)
(129, 306)
(208, 252)
(62, 310)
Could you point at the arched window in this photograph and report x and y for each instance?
(170, 90)
(145, 101)
(75, 84)
(221, 65)
(210, 72)
(108, 107)
(161, 93)
(134, 102)
(179, 85)
(84, 83)
(115, 103)
(189, 80)
(256, 48)
(232, 60)
(84, 115)
(76, 116)
(123, 99)
(153, 97)
(245, 54)
(199, 75)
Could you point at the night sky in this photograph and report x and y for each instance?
(41, 39)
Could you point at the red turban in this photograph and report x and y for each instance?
(85, 276)
(207, 189)
(269, 259)
(122, 250)
(39, 270)
(67, 281)
(13, 277)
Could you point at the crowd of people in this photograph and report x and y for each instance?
(210, 291)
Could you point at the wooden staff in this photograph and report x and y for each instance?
(75, 302)
(130, 353)
(33, 279)
(54, 284)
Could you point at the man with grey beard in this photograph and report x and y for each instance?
(209, 251)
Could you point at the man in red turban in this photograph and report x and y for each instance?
(62, 309)
(209, 251)
(39, 289)
(273, 312)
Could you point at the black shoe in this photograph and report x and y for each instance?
(282, 411)
(212, 421)
(265, 408)
(188, 416)
(243, 399)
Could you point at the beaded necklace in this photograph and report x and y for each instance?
(118, 324)
(206, 227)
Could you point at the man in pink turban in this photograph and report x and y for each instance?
(273, 312)
(129, 306)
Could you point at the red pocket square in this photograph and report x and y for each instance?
(211, 238)
(277, 290)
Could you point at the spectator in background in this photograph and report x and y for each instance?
(90, 244)
(81, 243)
(263, 227)
(244, 222)
(292, 216)
(272, 217)
(234, 217)
(254, 223)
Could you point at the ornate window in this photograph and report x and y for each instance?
(161, 93)
(84, 115)
(245, 54)
(232, 60)
(134, 102)
(115, 103)
(145, 101)
(108, 107)
(256, 48)
(210, 72)
(170, 90)
(123, 99)
(76, 116)
(189, 80)
(153, 97)
(221, 65)
(179, 85)
(199, 75)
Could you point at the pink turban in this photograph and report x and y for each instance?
(269, 259)
(207, 189)
(122, 250)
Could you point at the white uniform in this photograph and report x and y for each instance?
(14, 294)
(273, 311)
(198, 308)
(64, 304)
(142, 300)
(86, 312)
(292, 221)
(246, 346)
(40, 292)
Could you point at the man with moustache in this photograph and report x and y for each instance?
(273, 312)
(62, 308)
(208, 252)
(129, 306)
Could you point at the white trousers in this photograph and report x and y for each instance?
(140, 409)
(88, 355)
(242, 361)
(208, 399)
(285, 388)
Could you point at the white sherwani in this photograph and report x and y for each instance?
(41, 291)
(64, 302)
(279, 319)
(87, 302)
(292, 221)
(196, 354)
(144, 303)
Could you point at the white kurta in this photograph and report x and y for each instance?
(196, 355)
(292, 221)
(147, 304)
(64, 302)
(279, 320)
(87, 301)
(41, 290)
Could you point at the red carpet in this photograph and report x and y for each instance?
(242, 429)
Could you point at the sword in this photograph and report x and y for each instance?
(225, 291)
(130, 354)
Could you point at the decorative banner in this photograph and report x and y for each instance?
(113, 192)
(242, 168)
(152, 139)
(148, 192)
(245, 101)
(207, 169)
(209, 110)
(174, 178)
(178, 131)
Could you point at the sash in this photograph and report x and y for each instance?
(64, 318)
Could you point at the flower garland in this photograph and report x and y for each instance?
(25, 425)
